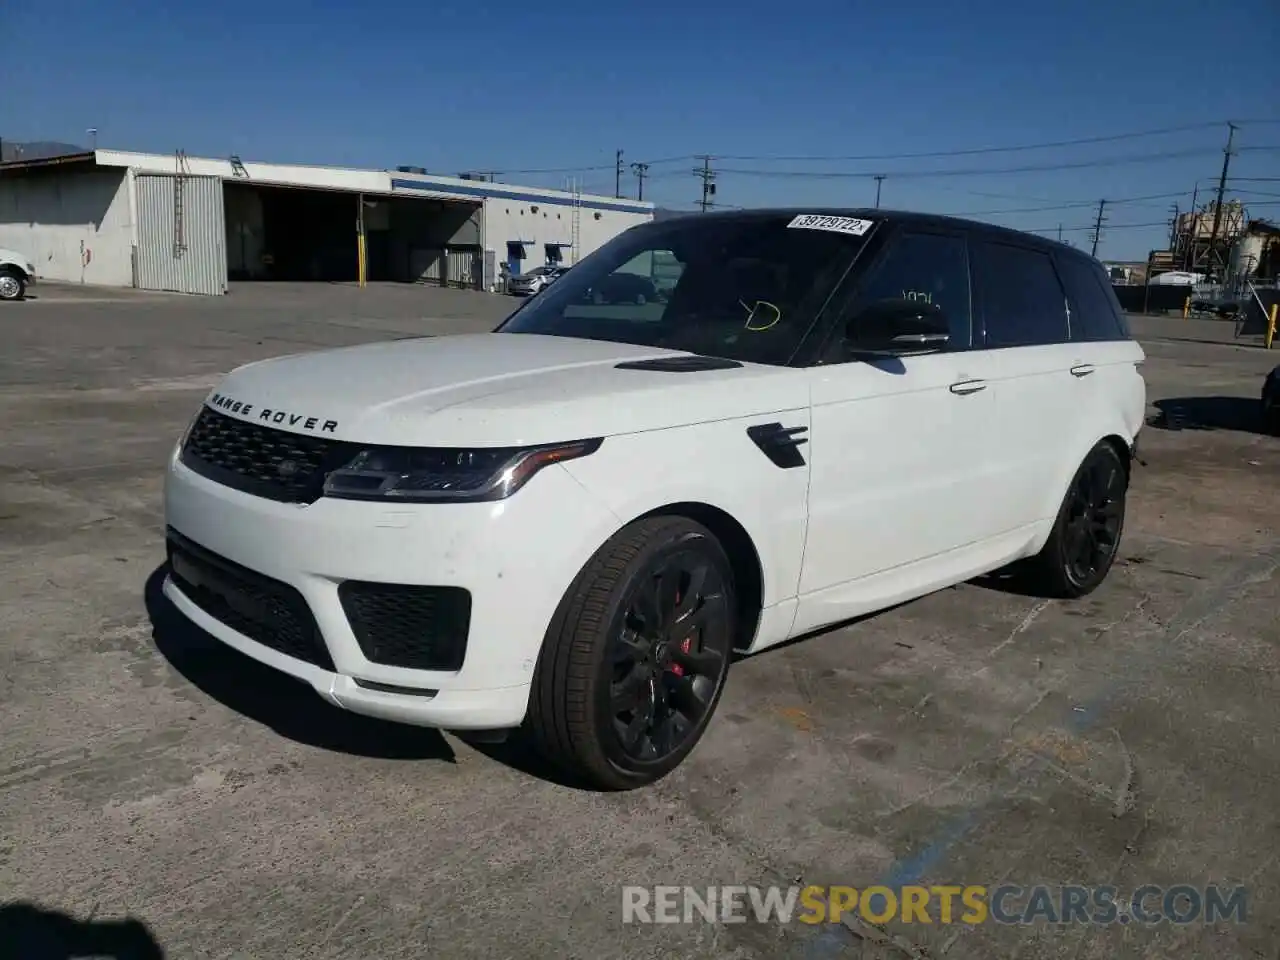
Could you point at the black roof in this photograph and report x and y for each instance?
(914, 218)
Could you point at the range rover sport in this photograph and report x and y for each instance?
(571, 524)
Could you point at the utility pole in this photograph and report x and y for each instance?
(1059, 233)
(1193, 235)
(879, 178)
(1097, 227)
(641, 170)
(1173, 229)
(617, 174)
(708, 183)
(1222, 186)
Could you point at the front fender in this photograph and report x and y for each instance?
(716, 464)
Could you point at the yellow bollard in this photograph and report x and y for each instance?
(1271, 325)
(1186, 308)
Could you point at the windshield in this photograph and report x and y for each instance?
(742, 287)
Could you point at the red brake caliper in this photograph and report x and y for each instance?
(685, 644)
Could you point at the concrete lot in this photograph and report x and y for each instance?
(975, 736)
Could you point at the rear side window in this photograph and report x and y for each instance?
(1093, 316)
(1109, 291)
(1023, 304)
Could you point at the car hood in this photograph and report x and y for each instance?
(493, 389)
(14, 256)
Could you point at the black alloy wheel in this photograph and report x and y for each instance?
(636, 658)
(1086, 535)
(669, 650)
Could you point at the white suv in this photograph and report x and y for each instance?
(17, 272)
(572, 523)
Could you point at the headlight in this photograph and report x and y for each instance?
(413, 475)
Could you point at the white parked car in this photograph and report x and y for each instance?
(535, 281)
(17, 272)
(572, 523)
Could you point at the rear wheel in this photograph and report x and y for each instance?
(1086, 535)
(12, 284)
(635, 660)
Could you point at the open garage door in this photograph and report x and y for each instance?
(181, 234)
(291, 233)
(304, 234)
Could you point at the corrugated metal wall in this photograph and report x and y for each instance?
(182, 234)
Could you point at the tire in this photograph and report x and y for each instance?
(1090, 520)
(13, 284)
(1271, 417)
(602, 645)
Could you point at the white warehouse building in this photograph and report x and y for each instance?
(191, 224)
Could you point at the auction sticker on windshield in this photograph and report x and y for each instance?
(814, 221)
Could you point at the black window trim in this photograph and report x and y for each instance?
(979, 291)
(813, 345)
(880, 244)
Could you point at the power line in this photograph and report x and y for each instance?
(926, 155)
(978, 171)
(1088, 228)
(1066, 205)
(588, 168)
(977, 151)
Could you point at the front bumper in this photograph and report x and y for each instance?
(515, 557)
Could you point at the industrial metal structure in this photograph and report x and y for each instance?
(1203, 238)
(191, 224)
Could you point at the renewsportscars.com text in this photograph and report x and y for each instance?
(971, 905)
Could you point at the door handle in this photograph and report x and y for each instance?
(1082, 369)
(965, 387)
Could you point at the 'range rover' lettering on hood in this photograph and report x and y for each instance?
(493, 389)
(284, 418)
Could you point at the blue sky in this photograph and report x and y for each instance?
(522, 87)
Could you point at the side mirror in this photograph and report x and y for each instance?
(897, 326)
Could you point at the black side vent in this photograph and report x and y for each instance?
(679, 364)
(780, 444)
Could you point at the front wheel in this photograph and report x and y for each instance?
(1086, 534)
(12, 284)
(635, 660)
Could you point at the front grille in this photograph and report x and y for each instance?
(422, 628)
(261, 460)
(266, 610)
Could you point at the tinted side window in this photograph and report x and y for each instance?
(1023, 303)
(924, 266)
(1092, 316)
(1117, 311)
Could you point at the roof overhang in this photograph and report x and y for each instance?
(77, 160)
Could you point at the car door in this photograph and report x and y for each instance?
(1025, 328)
(897, 475)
